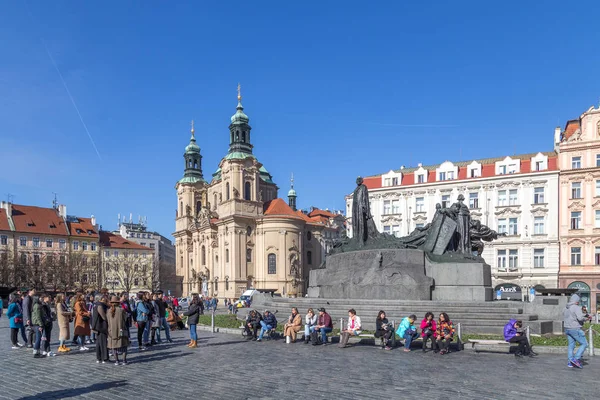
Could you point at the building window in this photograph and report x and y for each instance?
(420, 204)
(597, 219)
(84, 246)
(575, 255)
(387, 229)
(513, 260)
(94, 261)
(23, 258)
(144, 235)
(445, 200)
(502, 170)
(540, 165)
(3, 240)
(308, 235)
(575, 219)
(387, 182)
(597, 255)
(36, 259)
(576, 162)
(395, 206)
(272, 263)
(62, 244)
(227, 191)
(309, 257)
(538, 195)
(442, 176)
(76, 245)
(538, 226)
(576, 190)
(473, 200)
(501, 197)
(249, 231)
(538, 258)
(49, 243)
(386, 207)
(421, 178)
(136, 281)
(513, 226)
(152, 245)
(502, 225)
(106, 253)
(226, 255)
(62, 260)
(395, 181)
(396, 230)
(93, 244)
(116, 253)
(501, 260)
(84, 260)
(513, 197)
(247, 191)
(23, 241)
(248, 255)
(474, 173)
(203, 255)
(36, 242)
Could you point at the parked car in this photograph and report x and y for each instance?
(184, 304)
(245, 297)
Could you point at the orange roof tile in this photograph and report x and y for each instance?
(571, 128)
(323, 213)
(82, 227)
(4, 225)
(278, 207)
(30, 219)
(113, 241)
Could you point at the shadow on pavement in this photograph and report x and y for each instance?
(156, 357)
(65, 393)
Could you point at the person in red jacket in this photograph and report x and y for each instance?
(428, 328)
(324, 325)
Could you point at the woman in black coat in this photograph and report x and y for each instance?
(193, 314)
(383, 329)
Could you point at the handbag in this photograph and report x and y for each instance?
(18, 320)
(85, 318)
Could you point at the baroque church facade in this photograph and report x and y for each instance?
(234, 233)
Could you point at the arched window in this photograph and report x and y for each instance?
(249, 255)
(272, 263)
(181, 208)
(247, 191)
(308, 236)
(226, 255)
(227, 191)
(309, 258)
(181, 262)
(203, 255)
(231, 141)
(195, 163)
(249, 231)
(198, 207)
(215, 203)
(244, 136)
(237, 135)
(216, 285)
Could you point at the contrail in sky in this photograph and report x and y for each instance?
(72, 100)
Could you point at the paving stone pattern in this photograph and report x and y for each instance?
(226, 366)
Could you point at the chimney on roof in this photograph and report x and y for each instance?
(62, 211)
(8, 207)
(557, 135)
(402, 167)
(93, 221)
(419, 165)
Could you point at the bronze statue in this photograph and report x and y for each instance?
(363, 226)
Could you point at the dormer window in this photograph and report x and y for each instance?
(421, 178)
(508, 166)
(447, 171)
(78, 231)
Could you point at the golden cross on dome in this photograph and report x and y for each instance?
(193, 127)
(239, 90)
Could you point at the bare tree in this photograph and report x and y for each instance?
(7, 268)
(130, 271)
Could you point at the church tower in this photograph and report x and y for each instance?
(292, 196)
(239, 130)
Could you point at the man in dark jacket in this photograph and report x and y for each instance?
(324, 325)
(99, 325)
(253, 321)
(162, 311)
(269, 322)
(27, 317)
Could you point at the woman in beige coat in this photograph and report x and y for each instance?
(293, 325)
(64, 319)
(118, 338)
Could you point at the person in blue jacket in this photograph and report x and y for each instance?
(15, 316)
(408, 331)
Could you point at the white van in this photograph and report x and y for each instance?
(246, 296)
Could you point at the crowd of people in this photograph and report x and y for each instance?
(102, 318)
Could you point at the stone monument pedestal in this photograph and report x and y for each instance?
(401, 274)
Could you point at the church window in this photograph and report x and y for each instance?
(226, 255)
(247, 191)
(248, 255)
(309, 258)
(181, 208)
(249, 231)
(308, 236)
(244, 136)
(272, 263)
(237, 135)
(216, 285)
(227, 191)
(198, 207)
(203, 255)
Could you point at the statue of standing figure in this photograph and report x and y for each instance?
(363, 226)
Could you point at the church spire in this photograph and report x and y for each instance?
(292, 194)
(193, 160)
(239, 129)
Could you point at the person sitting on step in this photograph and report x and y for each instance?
(252, 324)
(444, 333)
(324, 326)
(309, 326)
(428, 328)
(353, 328)
(383, 329)
(268, 323)
(513, 333)
(293, 325)
(408, 331)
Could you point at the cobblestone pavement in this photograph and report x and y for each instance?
(225, 366)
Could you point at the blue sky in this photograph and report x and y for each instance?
(333, 90)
